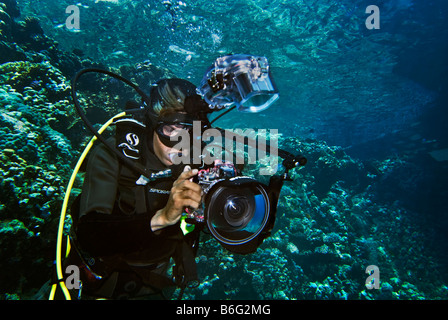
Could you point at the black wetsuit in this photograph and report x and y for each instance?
(113, 230)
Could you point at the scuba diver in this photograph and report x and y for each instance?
(136, 224)
(128, 232)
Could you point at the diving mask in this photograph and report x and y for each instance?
(173, 127)
(169, 132)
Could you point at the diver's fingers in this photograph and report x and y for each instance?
(185, 185)
(192, 195)
(187, 174)
(187, 190)
(190, 185)
(191, 203)
(184, 199)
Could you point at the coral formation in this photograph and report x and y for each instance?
(40, 139)
(325, 238)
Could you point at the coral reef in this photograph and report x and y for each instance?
(40, 139)
(324, 239)
(34, 165)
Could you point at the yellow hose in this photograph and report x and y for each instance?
(60, 276)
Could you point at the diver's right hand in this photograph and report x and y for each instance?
(184, 193)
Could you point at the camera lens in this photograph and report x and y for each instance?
(237, 212)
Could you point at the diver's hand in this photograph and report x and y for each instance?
(184, 193)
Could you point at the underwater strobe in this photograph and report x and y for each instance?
(239, 80)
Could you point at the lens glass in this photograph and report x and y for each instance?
(237, 214)
(238, 211)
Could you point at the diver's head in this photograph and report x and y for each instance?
(172, 131)
(168, 96)
(174, 106)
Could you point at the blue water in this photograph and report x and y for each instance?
(367, 106)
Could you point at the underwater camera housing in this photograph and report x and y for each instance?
(239, 211)
(239, 80)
